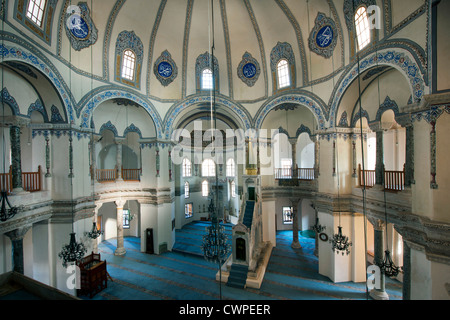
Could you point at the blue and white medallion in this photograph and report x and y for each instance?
(165, 69)
(249, 70)
(80, 28)
(324, 36)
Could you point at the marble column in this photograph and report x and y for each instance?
(47, 157)
(97, 208)
(316, 157)
(405, 121)
(16, 237)
(119, 161)
(379, 165)
(294, 154)
(409, 162)
(378, 229)
(120, 250)
(406, 271)
(16, 161)
(295, 243)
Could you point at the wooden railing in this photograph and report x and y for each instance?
(31, 181)
(111, 175)
(305, 174)
(393, 180)
(294, 174)
(367, 177)
(106, 175)
(131, 174)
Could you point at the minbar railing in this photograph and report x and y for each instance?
(393, 180)
(31, 181)
(306, 174)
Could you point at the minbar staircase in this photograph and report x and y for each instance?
(238, 276)
(248, 214)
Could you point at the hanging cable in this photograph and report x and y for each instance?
(362, 157)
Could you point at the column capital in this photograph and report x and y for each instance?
(18, 234)
(378, 224)
(120, 203)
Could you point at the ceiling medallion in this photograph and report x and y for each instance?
(323, 37)
(80, 28)
(165, 69)
(249, 70)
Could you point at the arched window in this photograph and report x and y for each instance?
(128, 65)
(35, 11)
(187, 168)
(186, 190)
(233, 189)
(208, 168)
(284, 79)
(207, 80)
(205, 188)
(231, 168)
(129, 59)
(362, 28)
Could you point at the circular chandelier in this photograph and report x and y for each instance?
(72, 252)
(340, 243)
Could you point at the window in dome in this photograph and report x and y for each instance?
(128, 65)
(35, 11)
(207, 80)
(362, 28)
(283, 74)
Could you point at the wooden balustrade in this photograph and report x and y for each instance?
(366, 177)
(111, 175)
(393, 180)
(305, 174)
(131, 174)
(106, 175)
(31, 181)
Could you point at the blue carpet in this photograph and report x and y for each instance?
(292, 274)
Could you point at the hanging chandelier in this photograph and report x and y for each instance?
(72, 252)
(318, 228)
(388, 267)
(7, 213)
(340, 243)
(95, 232)
(215, 248)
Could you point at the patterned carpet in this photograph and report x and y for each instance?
(183, 274)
